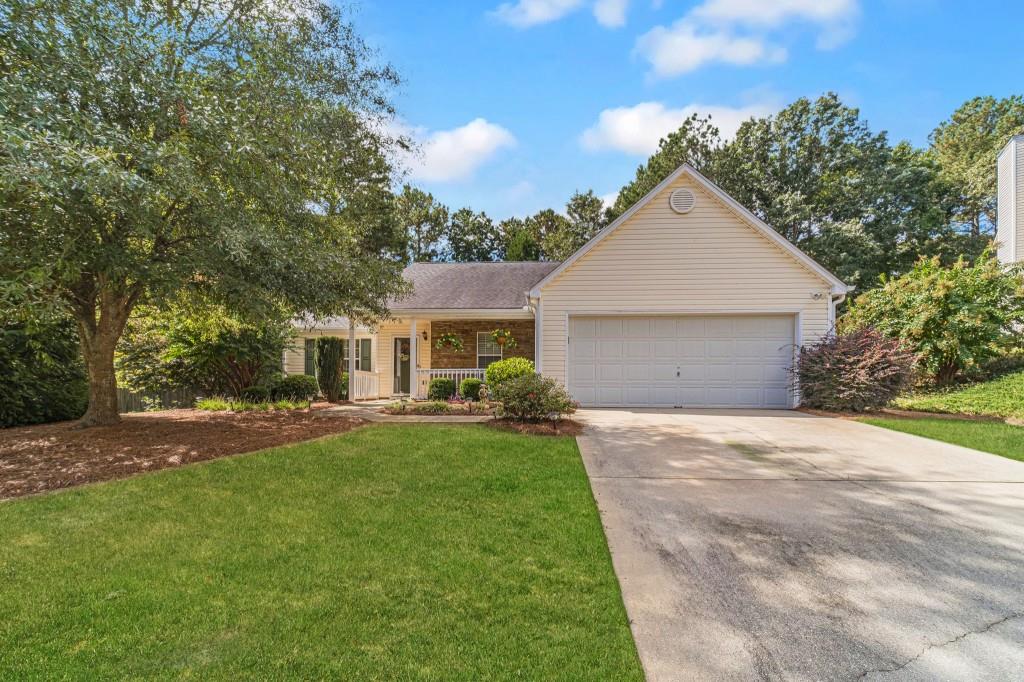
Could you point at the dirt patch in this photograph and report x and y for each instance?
(562, 427)
(50, 456)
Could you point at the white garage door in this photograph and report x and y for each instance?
(687, 361)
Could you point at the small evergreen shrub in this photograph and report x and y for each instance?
(433, 407)
(221, 404)
(441, 388)
(854, 372)
(329, 375)
(296, 387)
(532, 397)
(506, 369)
(470, 388)
(256, 394)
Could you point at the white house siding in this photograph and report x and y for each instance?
(1010, 208)
(706, 261)
(295, 353)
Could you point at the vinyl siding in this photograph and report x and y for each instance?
(386, 333)
(295, 353)
(706, 261)
(1010, 208)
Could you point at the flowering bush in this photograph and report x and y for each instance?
(854, 372)
(449, 341)
(532, 397)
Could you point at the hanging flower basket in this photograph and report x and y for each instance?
(503, 337)
(449, 341)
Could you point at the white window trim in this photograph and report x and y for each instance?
(501, 349)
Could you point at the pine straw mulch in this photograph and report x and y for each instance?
(35, 459)
(562, 427)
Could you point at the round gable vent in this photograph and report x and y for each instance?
(682, 201)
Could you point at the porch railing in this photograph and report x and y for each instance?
(457, 375)
(367, 385)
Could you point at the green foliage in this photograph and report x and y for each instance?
(295, 387)
(1000, 439)
(503, 337)
(506, 369)
(220, 404)
(200, 346)
(43, 376)
(1002, 397)
(954, 317)
(532, 397)
(470, 388)
(521, 242)
(854, 372)
(256, 394)
(424, 222)
(441, 388)
(473, 237)
(449, 340)
(330, 375)
(965, 148)
(586, 214)
(149, 146)
(432, 407)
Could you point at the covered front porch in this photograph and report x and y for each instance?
(416, 350)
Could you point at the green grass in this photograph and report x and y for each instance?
(995, 437)
(226, 404)
(1002, 397)
(392, 552)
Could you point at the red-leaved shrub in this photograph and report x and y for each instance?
(854, 372)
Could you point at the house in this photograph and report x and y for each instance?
(1010, 201)
(687, 299)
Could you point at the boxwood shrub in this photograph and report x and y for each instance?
(441, 388)
(506, 369)
(470, 388)
(294, 387)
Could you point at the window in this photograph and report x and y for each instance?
(309, 368)
(487, 350)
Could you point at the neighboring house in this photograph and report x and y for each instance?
(1010, 201)
(686, 300)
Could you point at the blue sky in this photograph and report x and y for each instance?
(517, 104)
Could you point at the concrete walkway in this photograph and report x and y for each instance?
(778, 545)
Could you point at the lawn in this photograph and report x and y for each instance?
(1002, 397)
(995, 437)
(393, 551)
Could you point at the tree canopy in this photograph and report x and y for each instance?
(230, 147)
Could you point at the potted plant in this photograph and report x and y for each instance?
(449, 340)
(503, 337)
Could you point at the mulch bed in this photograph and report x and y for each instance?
(562, 427)
(34, 459)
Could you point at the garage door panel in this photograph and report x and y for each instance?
(691, 361)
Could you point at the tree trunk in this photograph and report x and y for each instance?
(99, 359)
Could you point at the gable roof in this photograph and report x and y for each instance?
(470, 286)
(838, 286)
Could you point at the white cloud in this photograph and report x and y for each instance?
(611, 13)
(450, 155)
(638, 129)
(685, 47)
(738, 32)
(526, 13)
(608, 200)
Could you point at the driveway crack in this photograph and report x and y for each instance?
(938, 645)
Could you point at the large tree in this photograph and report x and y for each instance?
(231, 146)
(966, 146)
(473, 237)
(424, 221)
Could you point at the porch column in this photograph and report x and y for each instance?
(414, 357)
(351, 359)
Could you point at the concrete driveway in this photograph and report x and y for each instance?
(778, 545)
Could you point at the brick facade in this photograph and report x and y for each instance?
(447, 358)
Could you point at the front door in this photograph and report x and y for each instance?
(402, 366)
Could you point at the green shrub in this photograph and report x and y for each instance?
(296, 387)
(44, 379)
(434, 407)
(216, 404)
(329, 372)
(506, 369)
(441, 388)
(532, 397)
(221, 404)
(256, 394)
(853, 372)
(955, 318)
(470, 388)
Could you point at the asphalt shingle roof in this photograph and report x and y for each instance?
(470, 285)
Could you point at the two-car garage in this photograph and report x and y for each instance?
(682, 361)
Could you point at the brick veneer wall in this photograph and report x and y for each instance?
(447, 358)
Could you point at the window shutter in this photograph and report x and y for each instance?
(310, 369)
